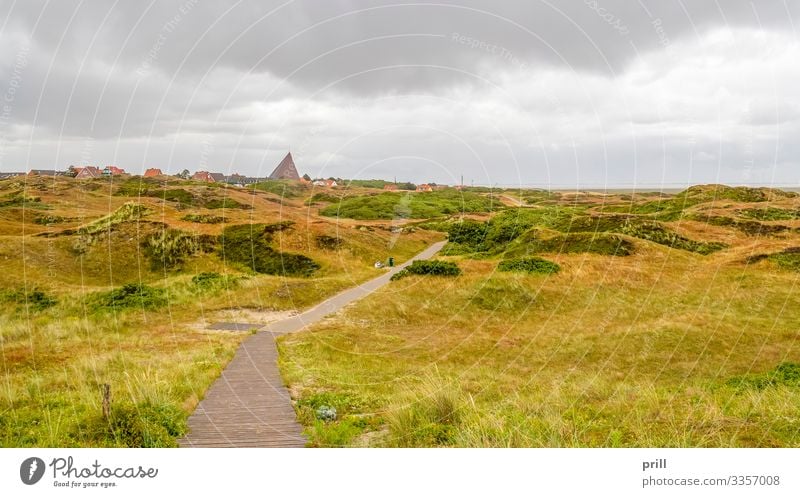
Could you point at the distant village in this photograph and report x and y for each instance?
(286, 170)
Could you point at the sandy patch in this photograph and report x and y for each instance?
(235, 315)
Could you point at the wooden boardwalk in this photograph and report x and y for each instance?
(248, 405)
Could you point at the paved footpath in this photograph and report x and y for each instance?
(248, 405)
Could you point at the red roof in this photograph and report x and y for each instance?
(152, 172)
(88, 172)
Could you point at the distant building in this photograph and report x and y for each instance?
(203, 176)
(239, 180)
(112, 171)
(286, 169)
(88, 172)
(10, 175)
(390, 187)
(328, 183)
(152, 172)
(424, 188)
(46, 172)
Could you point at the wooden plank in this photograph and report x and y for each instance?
(248, 405)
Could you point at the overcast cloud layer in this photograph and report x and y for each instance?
(579, 93)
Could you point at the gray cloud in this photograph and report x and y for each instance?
(604, 91)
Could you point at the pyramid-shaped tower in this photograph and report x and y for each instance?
(286, 169)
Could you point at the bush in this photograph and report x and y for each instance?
(392, 205)
(751, 228)
(436, 268)
(282, 188)
(35, 300)
(657, 233)
(770, 214)
(24, 201)
(786, 259)
(47, 219)
(595, 243)
(203, 218)
(329, 242)
(785, 374)
(211, 281)
(468, 233)
(529, 265)
(169, 248)
(141, 425)
(224, 203)
(248, 244)
(127, 212)
(322, 197)
(132, 295)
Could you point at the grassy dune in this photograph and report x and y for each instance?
(663, 346)
(106, 282)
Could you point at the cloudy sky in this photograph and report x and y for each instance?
(544, 93)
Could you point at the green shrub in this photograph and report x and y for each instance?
(470, 234)
(322, 197)
(203, 218)
(127, 212)
(393, 205)
(657, 233)
(786, 259)
(169, 248)
(22, 200)
(436, 268)
(141, 425)
(248, 244)
(178, 195)
(329, 242)
(131, 295)
(784, 374)
(282, 188)
(224, 203)
(34, 300)
(571, 243)
(770, 214)
(751, 228)
(213, 281)
(46, 219)
(529, 265)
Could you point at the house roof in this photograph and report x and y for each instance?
(46, 172)
(88, 172)
(153, 172)
(286, 169)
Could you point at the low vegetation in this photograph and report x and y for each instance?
(249, 246)
(427, 267)
(535, 265)
(788, 258)
(281, 188)
(393, 205)
(34, 300)
(203, 218)
(169, 248)
(657, 348)
(129, 211)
